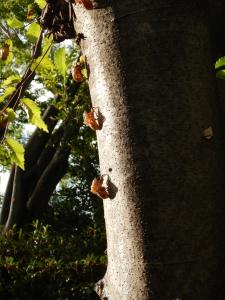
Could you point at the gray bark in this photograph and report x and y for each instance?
(17, 203)
(39, 138)
(151, 76)
(7, 198)
(54, 170)
(46, 161)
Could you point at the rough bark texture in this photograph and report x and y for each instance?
(151, 76)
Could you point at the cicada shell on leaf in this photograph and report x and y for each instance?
(93, 119)
(30, 15)
(4, 53)
(86, 3)
(99, 187)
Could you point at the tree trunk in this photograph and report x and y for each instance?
(151, 76)
(46, 160)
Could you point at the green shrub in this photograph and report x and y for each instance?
(44, 265)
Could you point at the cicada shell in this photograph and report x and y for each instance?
(4, 52)
(91, 119)
(94, 119)
(207, 133)
(77, 73)
(30, 15)
(100, 188)
(86, 3)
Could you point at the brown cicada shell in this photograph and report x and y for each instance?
(93, 119)
(4, 52)
(86, 3)
(30, 14)
(77, 73)
(100, 188)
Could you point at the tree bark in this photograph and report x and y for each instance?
(39, 138)
(17, 203)
(151, 76)
(46, 161)
(7, 197)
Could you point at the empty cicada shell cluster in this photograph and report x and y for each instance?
(94, 119)
(100, 186)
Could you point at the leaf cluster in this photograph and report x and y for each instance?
(42, 265)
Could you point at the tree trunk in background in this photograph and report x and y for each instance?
(151, 75)
(46, 160)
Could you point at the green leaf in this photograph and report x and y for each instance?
(43, 64)
(11, 115)
(60, 61)
(8, 91)
(16, 150)
(221, 74)
(40, 3)
(33, 32)
(34, 113)
(10, 80)
(14, 23)
(220, 62)
(9, 42)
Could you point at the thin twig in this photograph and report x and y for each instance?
(23, 81)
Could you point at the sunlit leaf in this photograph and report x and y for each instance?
(11, 115)
(8, 91)
(33, 32)
(60, 61)
(47, 42)
(43, 63)
(34, 113)
(14, 23)
(9, 42)
(220, 62)
(16, 150)
(10, 80)
(40, 3)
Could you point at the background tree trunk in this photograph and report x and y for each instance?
(46, 160)
(151, 75)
